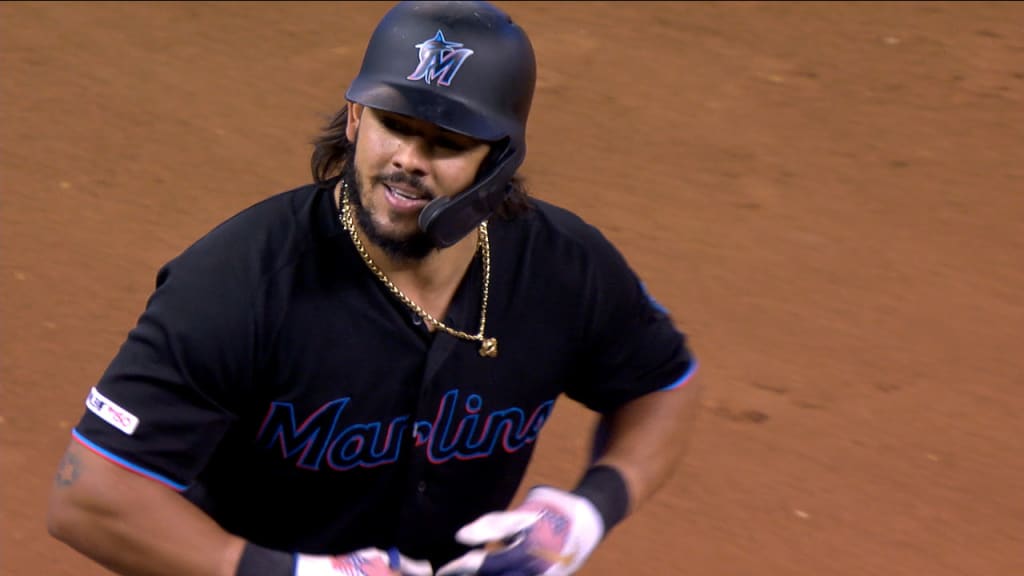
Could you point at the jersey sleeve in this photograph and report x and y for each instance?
(166, 399)
(631, 344)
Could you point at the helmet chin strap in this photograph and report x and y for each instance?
(448, 220)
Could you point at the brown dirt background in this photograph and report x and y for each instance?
(827, 195)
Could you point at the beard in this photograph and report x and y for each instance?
(410, 247)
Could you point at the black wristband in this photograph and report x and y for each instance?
(259, 561)
(605, 487)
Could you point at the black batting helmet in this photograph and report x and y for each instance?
(466, 67)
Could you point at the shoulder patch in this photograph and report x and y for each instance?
(111, 413)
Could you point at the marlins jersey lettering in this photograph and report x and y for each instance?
(276, 383)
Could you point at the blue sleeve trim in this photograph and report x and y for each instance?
(682, 379)
(126, 464)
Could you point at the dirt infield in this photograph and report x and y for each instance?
(828, 196)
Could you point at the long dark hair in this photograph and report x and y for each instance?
(332, 150)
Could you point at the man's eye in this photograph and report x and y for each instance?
(396, 126)
(450, 144)
(453, 144)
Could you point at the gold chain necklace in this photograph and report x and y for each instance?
(488, 346)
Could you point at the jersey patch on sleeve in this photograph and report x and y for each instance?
(111, 413)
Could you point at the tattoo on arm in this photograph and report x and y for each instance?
(68, 471)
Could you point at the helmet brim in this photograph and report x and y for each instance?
(427, 103)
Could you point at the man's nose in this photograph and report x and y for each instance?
(412, 155)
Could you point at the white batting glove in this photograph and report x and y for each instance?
(365, 562)
(551, 534)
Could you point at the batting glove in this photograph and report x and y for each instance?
(365, 562)
(551, 534)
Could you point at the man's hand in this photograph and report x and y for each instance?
(365, 562)
(551, 534)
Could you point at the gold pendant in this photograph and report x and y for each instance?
(489, 348)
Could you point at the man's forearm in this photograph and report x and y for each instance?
(132, 525)
(645, 439)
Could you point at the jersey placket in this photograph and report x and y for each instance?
(463, 311)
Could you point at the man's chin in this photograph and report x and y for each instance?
(396, 234)
(403, 244)
(399, 235)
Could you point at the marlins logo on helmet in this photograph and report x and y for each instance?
(440, 60)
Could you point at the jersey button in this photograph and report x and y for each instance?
(421, 487)
(416, 319)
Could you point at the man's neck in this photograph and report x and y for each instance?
(430, 282)
(436, 270)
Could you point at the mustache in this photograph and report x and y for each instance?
(413, 182)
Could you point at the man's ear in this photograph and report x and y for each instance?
(355, 113)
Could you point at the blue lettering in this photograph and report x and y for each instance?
(310, 437)
(460, 430)
(362, 445)
(510, 427)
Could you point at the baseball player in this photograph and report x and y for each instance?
(350, 377)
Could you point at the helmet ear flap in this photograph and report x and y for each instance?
(447, 220)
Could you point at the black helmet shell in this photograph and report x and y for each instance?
(464, 66)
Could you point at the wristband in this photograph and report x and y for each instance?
(259, 561)
(606, 489)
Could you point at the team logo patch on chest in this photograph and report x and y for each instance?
(460, 430)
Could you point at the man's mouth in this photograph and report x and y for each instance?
(404, 193)
(404, 199)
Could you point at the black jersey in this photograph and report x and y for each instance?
(275, 381)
